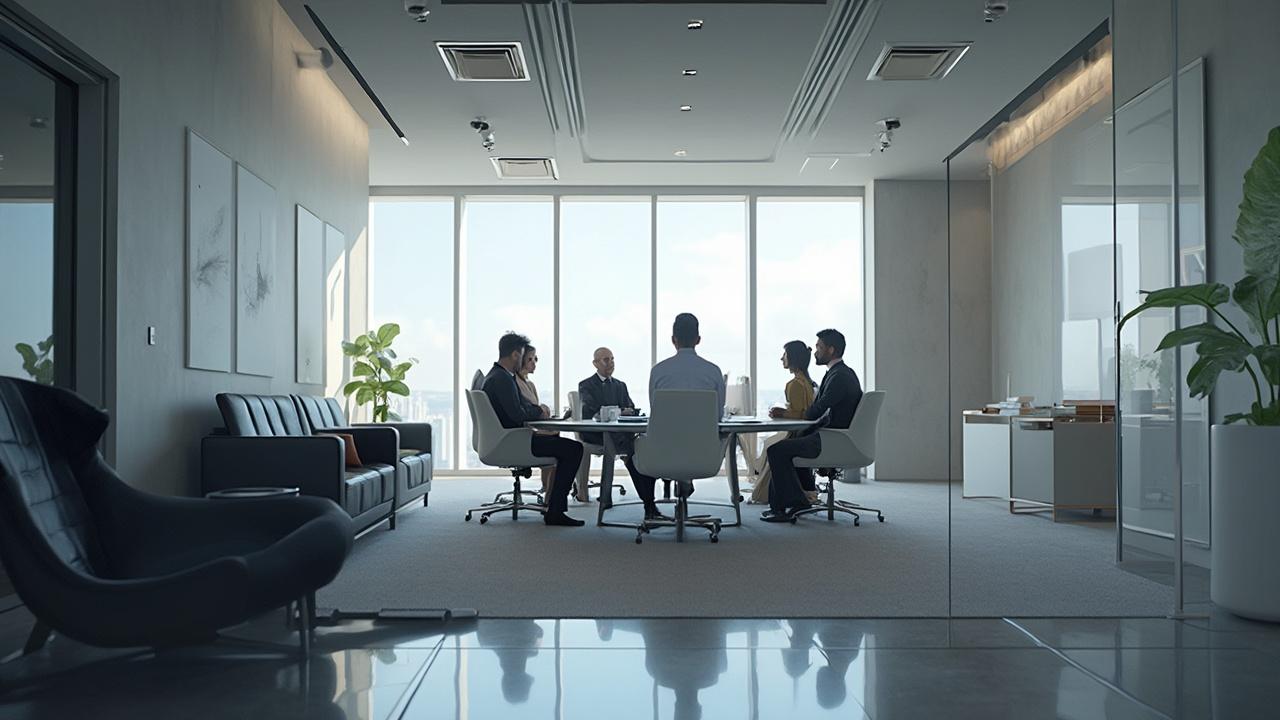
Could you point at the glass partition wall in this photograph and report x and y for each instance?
(1089, 456)
(580, 270)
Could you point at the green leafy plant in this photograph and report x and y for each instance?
(38, 361)
(1257, 295)
(379, 374)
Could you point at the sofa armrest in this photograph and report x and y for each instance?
(413, 435)
(312, 463)
(374, 443)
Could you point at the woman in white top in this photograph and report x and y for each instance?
(530, 393)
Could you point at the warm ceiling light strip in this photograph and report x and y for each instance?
(1064, 99)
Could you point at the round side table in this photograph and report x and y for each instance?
(252, 493)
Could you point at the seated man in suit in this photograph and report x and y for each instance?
(838, 395)
(603, 389)
(514, 411)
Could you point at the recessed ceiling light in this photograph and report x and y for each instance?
(695, 25)
(681, 153)
(686, 108)
(689, 72)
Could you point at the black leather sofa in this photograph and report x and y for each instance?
(268, 442)
(414, 466)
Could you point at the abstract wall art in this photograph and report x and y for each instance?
(310, 284)
(257, 302)
(209, 256)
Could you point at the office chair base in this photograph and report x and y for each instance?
(837, 507)
(513, 500)
(680, 522)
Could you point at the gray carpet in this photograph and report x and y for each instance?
(1002, 564)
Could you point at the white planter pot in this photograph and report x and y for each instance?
(1245, 477)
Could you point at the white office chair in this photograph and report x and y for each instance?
(477, 381)
(681, 444)
(854, 448)
(737, 401)
(588, 450)
(507, 448)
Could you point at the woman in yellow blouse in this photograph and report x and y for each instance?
(800, 393)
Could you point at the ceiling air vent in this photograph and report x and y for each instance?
(484, 62)
(917, 61)
(513, 168)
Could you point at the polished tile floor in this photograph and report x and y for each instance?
(665, 668)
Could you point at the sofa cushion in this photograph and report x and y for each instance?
(254, 415)
(417, 469)
(368, 486)
(321, 412)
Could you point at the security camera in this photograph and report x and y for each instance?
(994, 10)
(487, 140)
(417, 10)
(884, 137)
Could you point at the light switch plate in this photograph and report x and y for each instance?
(151, 334)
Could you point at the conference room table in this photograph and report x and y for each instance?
(730, 429)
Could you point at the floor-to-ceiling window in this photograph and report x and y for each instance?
(806, 248)
(612, 272)
(702, 269)
(412, 258)
(507, 284)
(605, 295)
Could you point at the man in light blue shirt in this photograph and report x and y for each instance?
(685, 370)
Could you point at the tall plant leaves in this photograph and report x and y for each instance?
(1258, 225)
(1259, 298)
(1269, 360)
(1218, 350)
(1203, 295)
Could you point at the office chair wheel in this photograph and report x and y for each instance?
(622, 491)
(880, 517)
(856, 521)
(793, 520)
(638, 540)
(468, 518)
(715, 537)
(484, 519)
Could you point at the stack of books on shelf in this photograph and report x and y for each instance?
(1012, 405)
(1092, 410)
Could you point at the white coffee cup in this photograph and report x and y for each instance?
(610, 413)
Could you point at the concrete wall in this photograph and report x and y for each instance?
(226, 69)
(909, 348)
(1236, 38)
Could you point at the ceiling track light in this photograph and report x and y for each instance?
(689, 72)
(681, 153)
(686, 108)
(994, 10)
(694, 25)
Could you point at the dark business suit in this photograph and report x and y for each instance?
(840, 394)
(514, 411)
(594, 394)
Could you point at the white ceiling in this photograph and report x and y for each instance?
(606, 86)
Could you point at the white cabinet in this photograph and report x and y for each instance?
(986, 456)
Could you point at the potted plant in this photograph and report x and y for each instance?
(379, 374)
(1246, 446)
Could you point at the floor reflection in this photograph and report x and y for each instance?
(671, 668)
